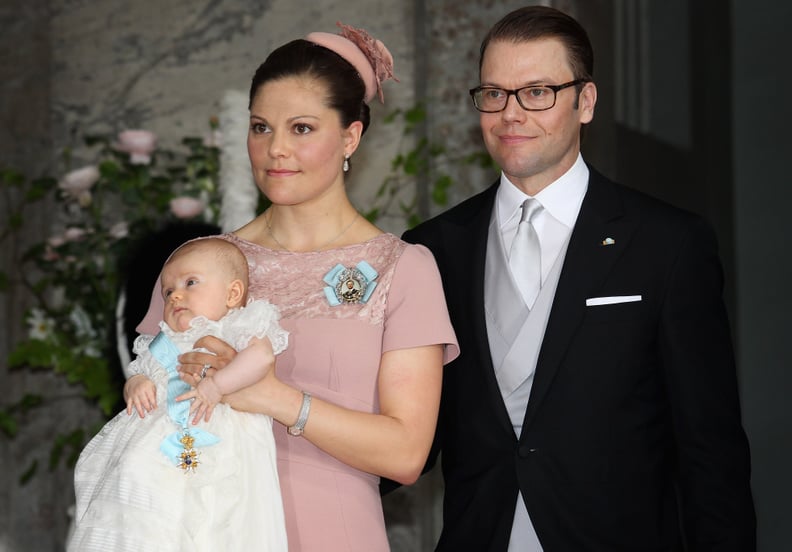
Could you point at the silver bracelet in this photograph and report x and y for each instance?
(298, 427)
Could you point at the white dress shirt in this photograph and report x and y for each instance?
(561, 201)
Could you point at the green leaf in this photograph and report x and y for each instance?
(372, 214)
(8, 423)
(70, 444)
(16, 221)
(33, 353)
(29, 473)
(56, 452)
(193, 142)
(440, 190)
(40, 188)
(390, 117)
(94, 139)
(12, 177)
(30, 401)
(415, 115)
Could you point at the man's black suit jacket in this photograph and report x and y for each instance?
(632, 438)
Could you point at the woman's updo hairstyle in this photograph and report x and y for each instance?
(352, 66)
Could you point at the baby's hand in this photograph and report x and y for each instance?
(140, 394)
(205, 396)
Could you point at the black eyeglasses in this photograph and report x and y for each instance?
(489, 99)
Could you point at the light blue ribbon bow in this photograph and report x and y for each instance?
(167, 354)
(360, 279)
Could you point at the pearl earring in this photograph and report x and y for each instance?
(346, 163)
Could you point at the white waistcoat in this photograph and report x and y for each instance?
(515, 336)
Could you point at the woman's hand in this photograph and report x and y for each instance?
(192, 364)
(250, 398)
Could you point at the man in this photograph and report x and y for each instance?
(594, 406)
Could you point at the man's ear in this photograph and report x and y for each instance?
(586, 102)
(236, 294)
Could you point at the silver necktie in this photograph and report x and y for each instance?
(525, 259)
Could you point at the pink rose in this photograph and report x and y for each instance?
(139, 144)
(78, 183)
(185, 207)
(73, 234)
(50, 254)
(56, 241)
(213, 139)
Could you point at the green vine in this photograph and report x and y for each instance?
(74, 277)
(419, 164)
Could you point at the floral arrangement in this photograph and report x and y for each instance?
(75, 276)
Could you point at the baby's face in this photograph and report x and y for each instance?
(193, 284)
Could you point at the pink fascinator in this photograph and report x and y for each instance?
(368, 55)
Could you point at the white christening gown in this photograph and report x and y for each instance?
(132, 497)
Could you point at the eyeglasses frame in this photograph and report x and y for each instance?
(554, 87)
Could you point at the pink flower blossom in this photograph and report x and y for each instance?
(50, 254)
(73, 234)
(139, 144)
(56, 241)
(213, 139)
(78, 183)
(185, 207)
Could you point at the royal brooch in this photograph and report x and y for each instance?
(350, 284)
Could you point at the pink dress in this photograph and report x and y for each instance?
(334, 353)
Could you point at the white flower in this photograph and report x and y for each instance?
(139, 144)
(185, 207)
(91, 350)
(82, 323)
(77, 184)
(40, 326)
(119, 230)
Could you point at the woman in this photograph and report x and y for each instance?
(355, 395)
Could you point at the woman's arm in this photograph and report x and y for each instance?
(246, 368)
(393, 443)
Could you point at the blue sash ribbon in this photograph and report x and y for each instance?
(167, 354)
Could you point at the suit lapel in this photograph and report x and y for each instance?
(586, 265)
(468, 243)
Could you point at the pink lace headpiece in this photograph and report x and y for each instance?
(368, 55)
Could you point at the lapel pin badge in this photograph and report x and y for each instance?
(608, 241)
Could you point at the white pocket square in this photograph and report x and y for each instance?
(594, 301)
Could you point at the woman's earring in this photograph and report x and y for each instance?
(346, 163)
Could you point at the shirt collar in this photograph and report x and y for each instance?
(561, 199)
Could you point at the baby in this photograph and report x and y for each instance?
(131, 494)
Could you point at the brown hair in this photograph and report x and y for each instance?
(345, 88)
(535, 22)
